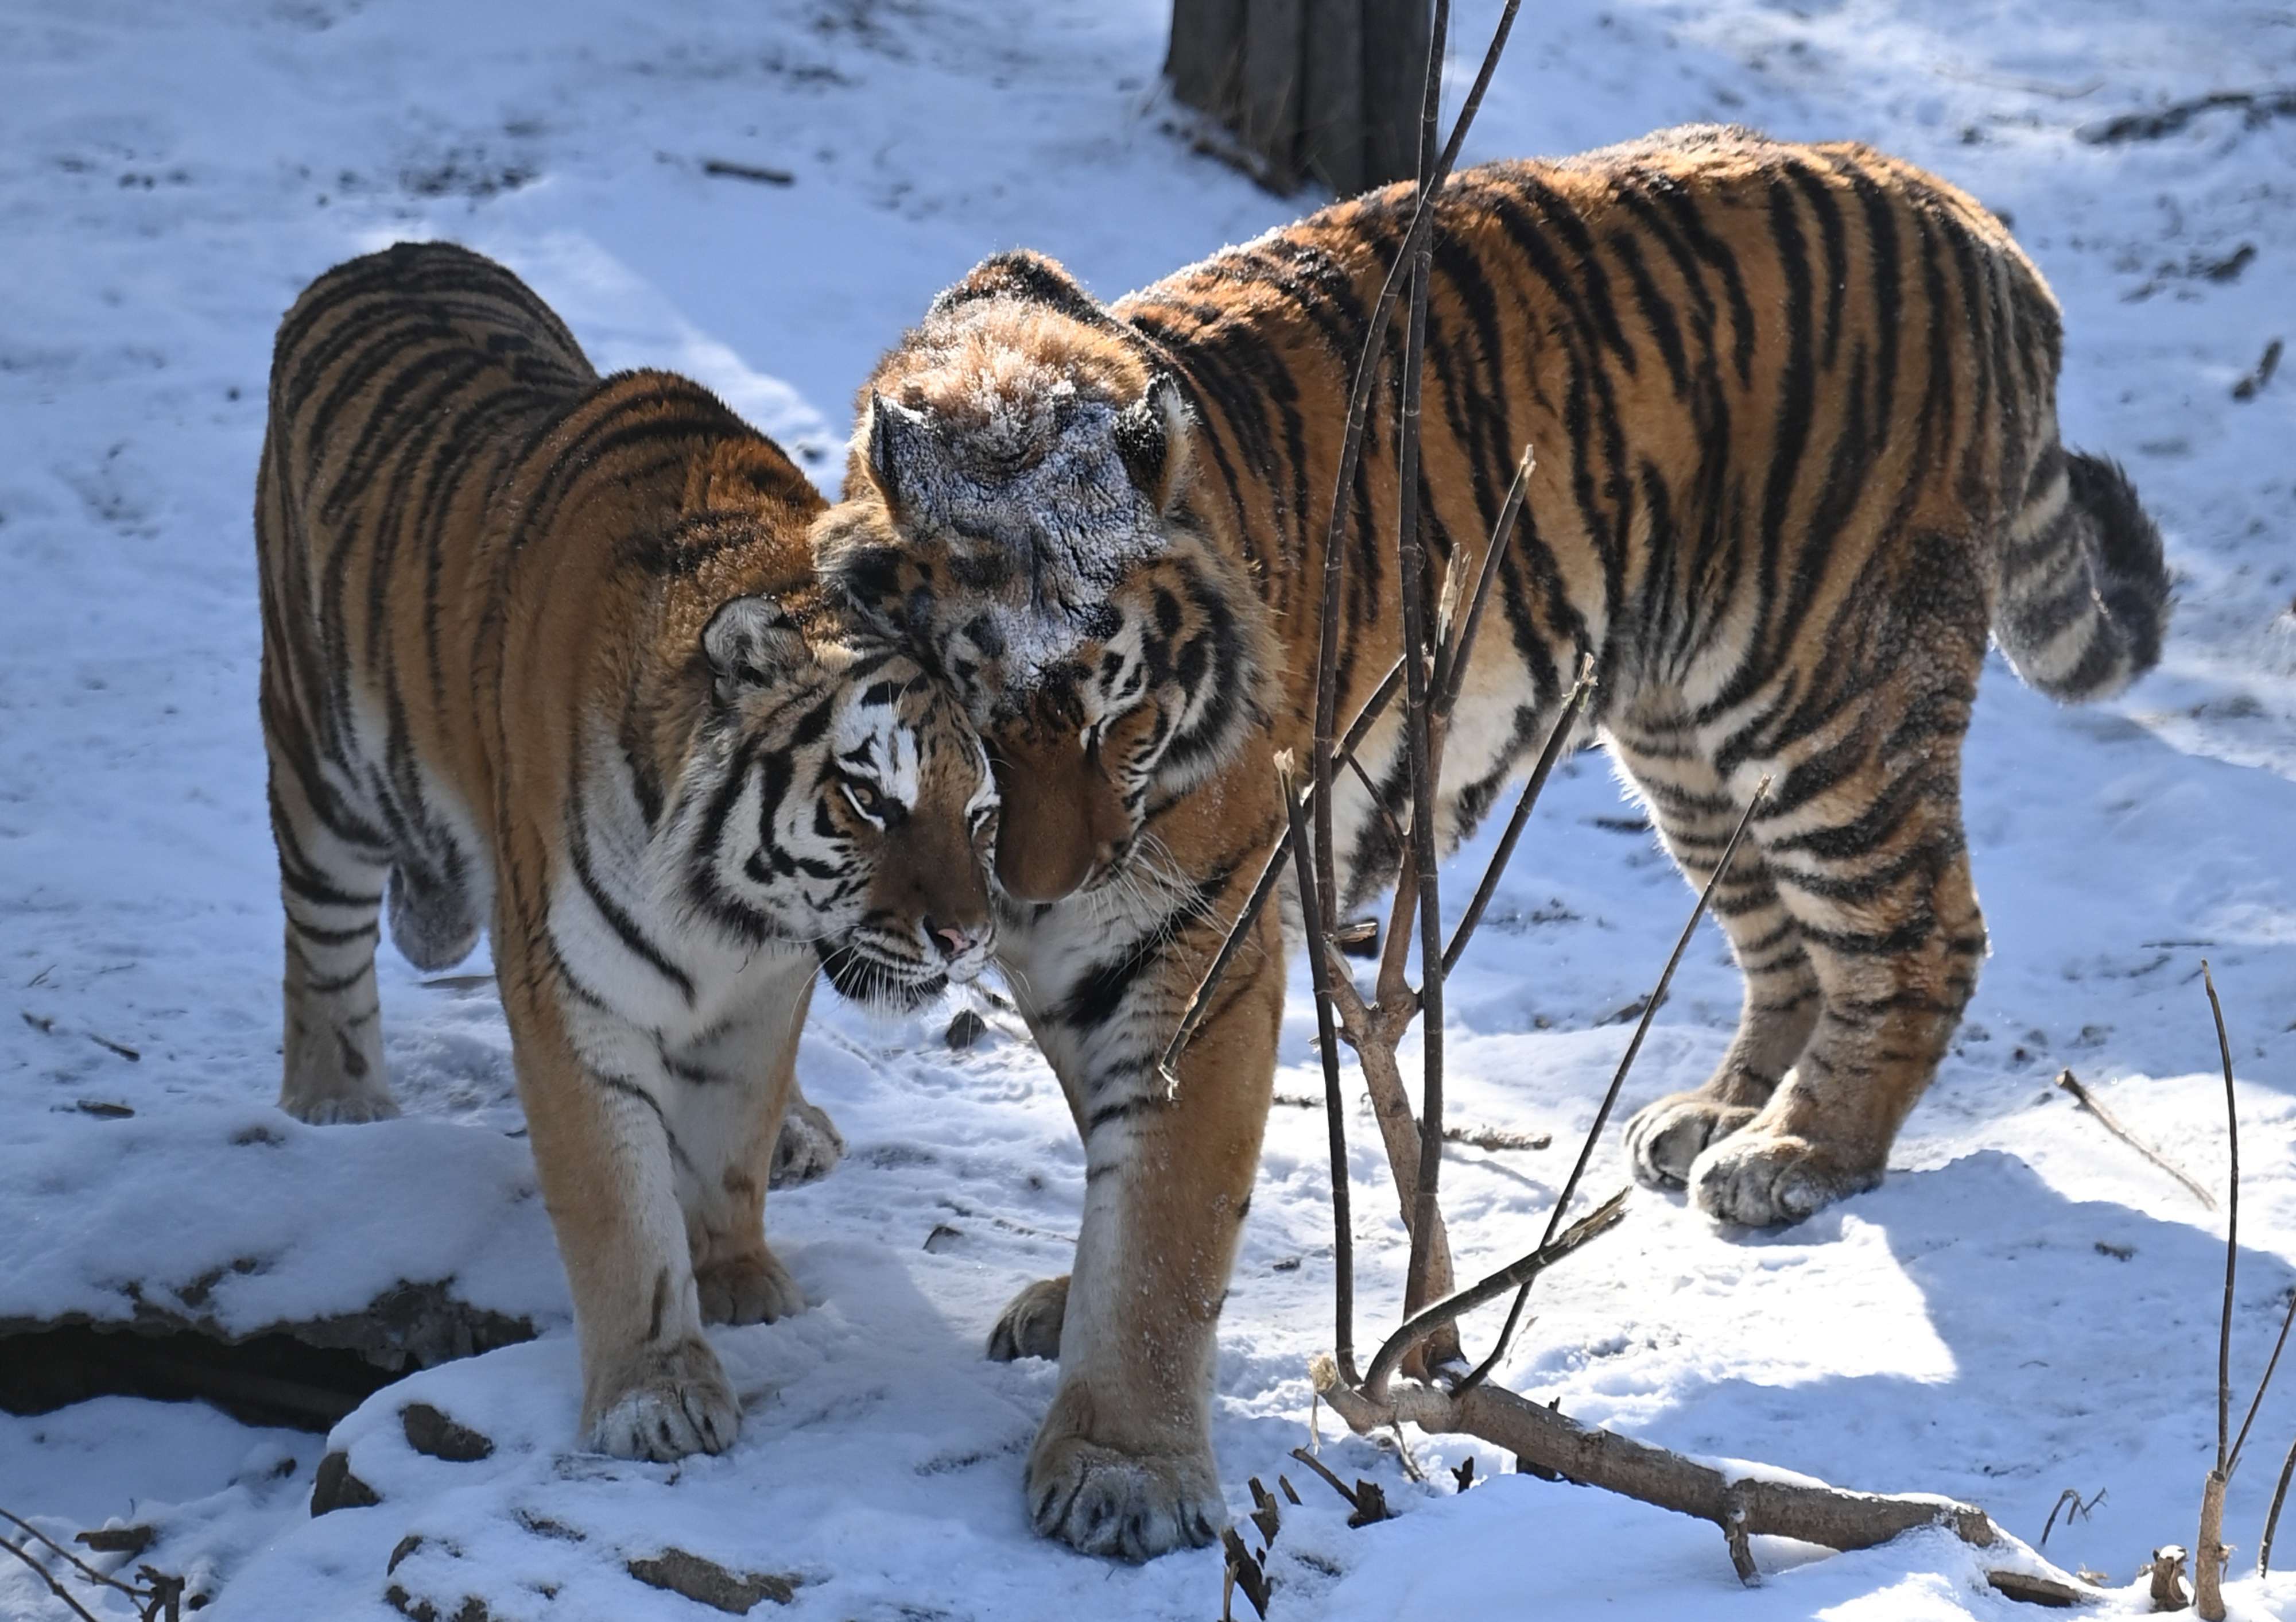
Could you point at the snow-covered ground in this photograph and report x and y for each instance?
(2025, 1307)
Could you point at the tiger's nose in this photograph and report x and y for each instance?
(954, 943)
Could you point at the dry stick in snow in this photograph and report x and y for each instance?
(2105, 1118)
(2209, 1557)
(1810, 1511)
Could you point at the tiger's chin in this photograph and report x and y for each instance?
(879, 986)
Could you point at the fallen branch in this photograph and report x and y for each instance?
(1810, 1511)
(728, 171)
(2105, 1118)
(2250, 386)
(2257, 105)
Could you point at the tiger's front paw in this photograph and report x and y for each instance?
(808, 1149)
(1767, 1178)
(675, 1401)
(1667, 1136)
(1129, 1503)
(752, 1287)
(1031, 1324)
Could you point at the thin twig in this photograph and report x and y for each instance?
(1423, 747)
(2110, 1123)
(2070, 1503)
(2232, 1228)
(2239, 1439)
(1319, 972)
(1371, 796)
(1321, 1469)
(1451, 659)
(163, 1593)
(1481, 1371)
(1270, 874)
(1564, 724)
(1597, 1222)
(2272, 1520)
(49, 1577)
(86, 1570)
(2208, 1554)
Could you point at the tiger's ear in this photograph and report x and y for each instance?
(1151, 436)
(900, 440)
(749, 644)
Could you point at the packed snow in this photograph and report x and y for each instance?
(2025, 1307)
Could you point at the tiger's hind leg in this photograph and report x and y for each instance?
(1695, 815)
(331, 878)
(1863, 838)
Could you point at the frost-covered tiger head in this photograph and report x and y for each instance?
(1018, 510)
(837, 797)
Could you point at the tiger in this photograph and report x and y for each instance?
(1796, 453)
(547, 653)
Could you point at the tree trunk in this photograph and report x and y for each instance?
(1326, 89)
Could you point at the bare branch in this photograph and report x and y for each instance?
(1371, 796)
(1270, 874)
(2239, 1439)
(165, 1592)
(1319, 970)
(1597, 1222)
(47, 1577)
(2272, 1520)
(1556, 739)
(1810, 1511)
(1481, 1371)
(1452, 657)
(2110, 1123)
(2210, 1554)
(2232, 1235)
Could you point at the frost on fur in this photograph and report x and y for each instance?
(1046, 498)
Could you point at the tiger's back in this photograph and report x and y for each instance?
(405, 389)
(1747, 369)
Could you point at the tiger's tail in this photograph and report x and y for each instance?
(2084, 596)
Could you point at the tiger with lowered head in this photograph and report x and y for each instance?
(1793, 409)
(547, 653)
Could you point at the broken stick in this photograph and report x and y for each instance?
(2105, 1118)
